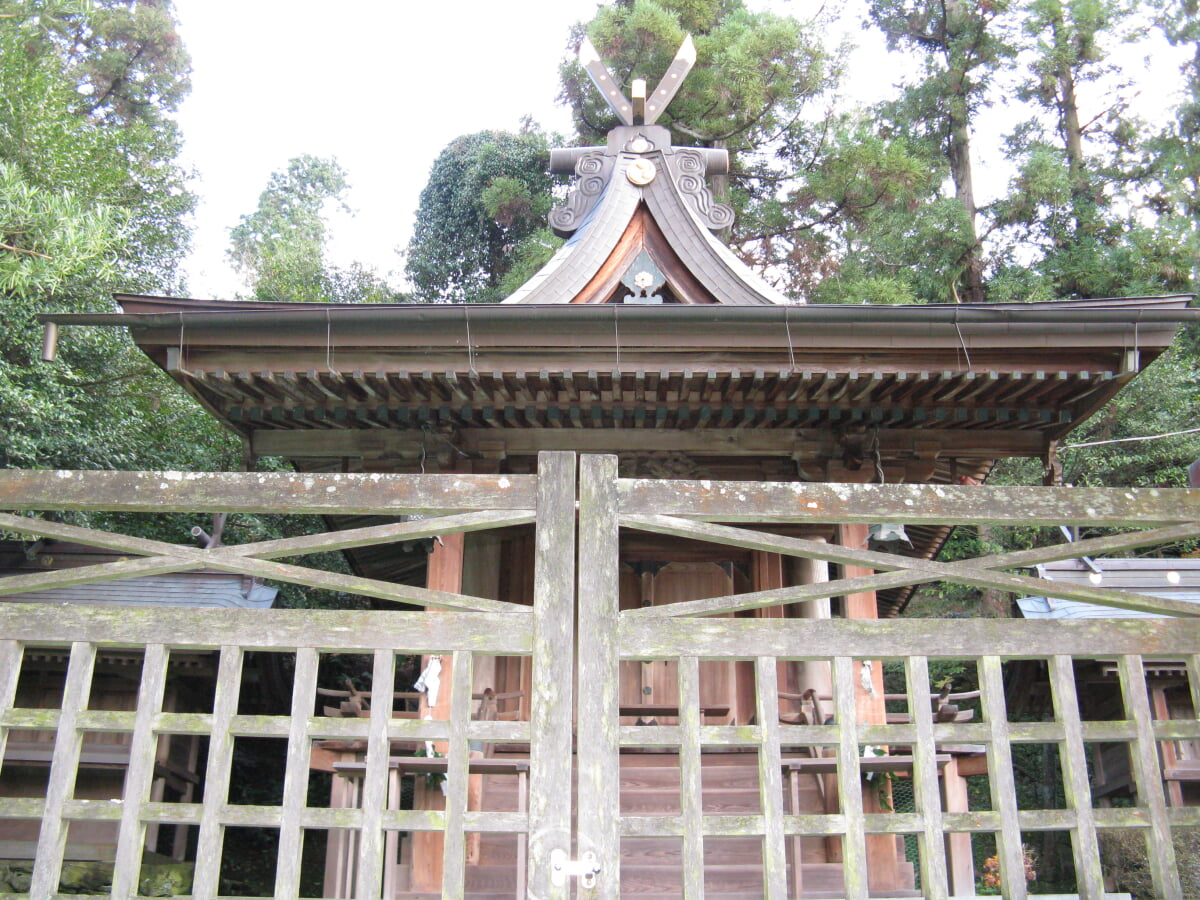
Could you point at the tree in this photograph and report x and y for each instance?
(1078, 198)
(963, 47)
(761, 88)
(280, 247)
(89, 203)
(1175, 151)
(482, 214)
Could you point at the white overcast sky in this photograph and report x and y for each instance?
(383, 85)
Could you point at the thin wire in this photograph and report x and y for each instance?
(328, 342)
(617, 336)
(877, 459)
(962, 341)
(470, 347)
(1145, 437)
(788, 326)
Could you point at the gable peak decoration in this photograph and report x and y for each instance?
(641, 205)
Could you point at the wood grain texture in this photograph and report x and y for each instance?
(1003, 785)
(553, 671)
(140, 773)
(749, 501)
(927, 789)
(909, 570)
(598, 673)
(1147, 777)
(263, 492)
(1084, 845)
(52, 836)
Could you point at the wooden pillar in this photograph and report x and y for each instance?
(815, 675)
(959, 860)
(882, 858)
(444, 574)
(1169, 750)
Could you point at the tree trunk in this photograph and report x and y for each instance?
(959, 152)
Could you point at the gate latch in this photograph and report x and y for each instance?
(563, 867)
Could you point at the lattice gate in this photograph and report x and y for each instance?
(464, 627)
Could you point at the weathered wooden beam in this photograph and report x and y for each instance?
(745, 501)
(908, 570)
(278, 629)
(898, 638)
(262, 492)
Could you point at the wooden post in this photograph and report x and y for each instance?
(444, 574)
(959, 859)
(818, 676)
(882, 859)
(1194, 474)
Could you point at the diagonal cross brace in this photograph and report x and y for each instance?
(904, 571)
(254, 559)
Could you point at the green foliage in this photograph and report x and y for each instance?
(1161, 400)
(755, 72)
(91, 201)
(482, 216)
(280, 247)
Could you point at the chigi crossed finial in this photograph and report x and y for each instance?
(641, 110)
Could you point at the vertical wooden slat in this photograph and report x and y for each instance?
(553, 645)
(1078, 791)
(375, 778)
(1193, 668)
(454, 855)
(64, 765)
(931, 840)
(854, 863)
(10, 673)
(140, 774)
(598, 671)
(1148, 778)
(691, 778)
(295, 776)
(1004, 789)
(391, 840)
(216, 778)
(770, 777)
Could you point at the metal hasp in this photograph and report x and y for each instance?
(562, 867)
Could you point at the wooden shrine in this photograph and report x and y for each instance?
(646, 347)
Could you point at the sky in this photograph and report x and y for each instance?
(383, 86)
